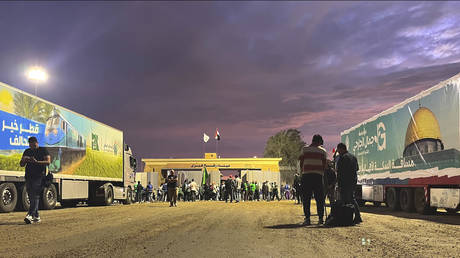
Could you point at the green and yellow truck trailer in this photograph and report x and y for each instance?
(409, 155)
(89, 160)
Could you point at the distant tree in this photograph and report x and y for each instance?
(287, 145)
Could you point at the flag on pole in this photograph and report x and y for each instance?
(205, 176)
(205, 137)
(217, 137)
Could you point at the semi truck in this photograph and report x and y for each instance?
(409, 154)
(89, 160)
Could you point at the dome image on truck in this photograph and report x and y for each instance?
(423, 134)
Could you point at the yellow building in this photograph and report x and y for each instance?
(250, 169)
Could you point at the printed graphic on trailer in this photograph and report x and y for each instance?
(77, 145)
(422, 134)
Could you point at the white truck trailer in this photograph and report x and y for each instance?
(89, 160)
(409, 155)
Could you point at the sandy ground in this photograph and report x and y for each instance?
(218, 229)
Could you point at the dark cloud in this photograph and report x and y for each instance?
(165, 72)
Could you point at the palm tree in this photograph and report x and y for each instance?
(31, 108)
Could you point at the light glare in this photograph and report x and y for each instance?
(37, 74)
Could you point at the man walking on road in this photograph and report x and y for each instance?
(312, 165)
(35, 159)
(172, 193)
(347, 167)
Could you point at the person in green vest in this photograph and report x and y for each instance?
(253, 190)
(257, 192)
(244, 188)
(135, 191)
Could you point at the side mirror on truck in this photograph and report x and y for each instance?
(132, 163)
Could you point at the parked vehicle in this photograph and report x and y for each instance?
(409, 155)
(89, 160)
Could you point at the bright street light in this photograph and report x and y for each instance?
(37, 75)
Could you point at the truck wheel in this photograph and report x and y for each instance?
(361, 203)
(108, 198)
(8, 197)
(421, 206)
(406, 199)
(129, 197)
(49, 197)
(392, 199)
(377, 204)
(23, 199)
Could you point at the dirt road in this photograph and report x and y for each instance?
(217, 229)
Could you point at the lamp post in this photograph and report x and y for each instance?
(37, 75)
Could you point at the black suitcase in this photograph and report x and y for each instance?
(341, 214)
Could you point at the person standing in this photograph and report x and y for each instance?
(275, 191)
(193, 190)
(149, 192)
(165, 196)
(172, 193)
(347, 168)
(229, 189)
(35, 159)
(312, 165)
(238, 183)
(296, 188)
(257, 192)
(139, 190)
(330, 179)
(287, 191)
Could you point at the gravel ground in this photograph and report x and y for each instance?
(218, 229)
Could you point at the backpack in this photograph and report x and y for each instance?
(341, 215)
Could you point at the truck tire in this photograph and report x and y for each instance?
(406, 199)
(421, 206)
(108, 198)
(377, 204)
(129, 197)
(49, 197)
(392, 199)
(8, 197)
(23, 203)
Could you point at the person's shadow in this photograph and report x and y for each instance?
(14, 223)
(291, 226)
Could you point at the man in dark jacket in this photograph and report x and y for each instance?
(229, 186)
(35, 159)
(347, 168)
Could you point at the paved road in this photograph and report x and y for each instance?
(217, 229)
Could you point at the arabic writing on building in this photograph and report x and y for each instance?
(208, 165)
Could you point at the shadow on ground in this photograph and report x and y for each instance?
(439, 217)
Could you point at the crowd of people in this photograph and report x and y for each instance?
(323, 178)
(232, 189)
(320, 178)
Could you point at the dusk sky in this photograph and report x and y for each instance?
(166, 72)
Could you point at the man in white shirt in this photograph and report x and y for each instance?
(238, 183)
(193, 189)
